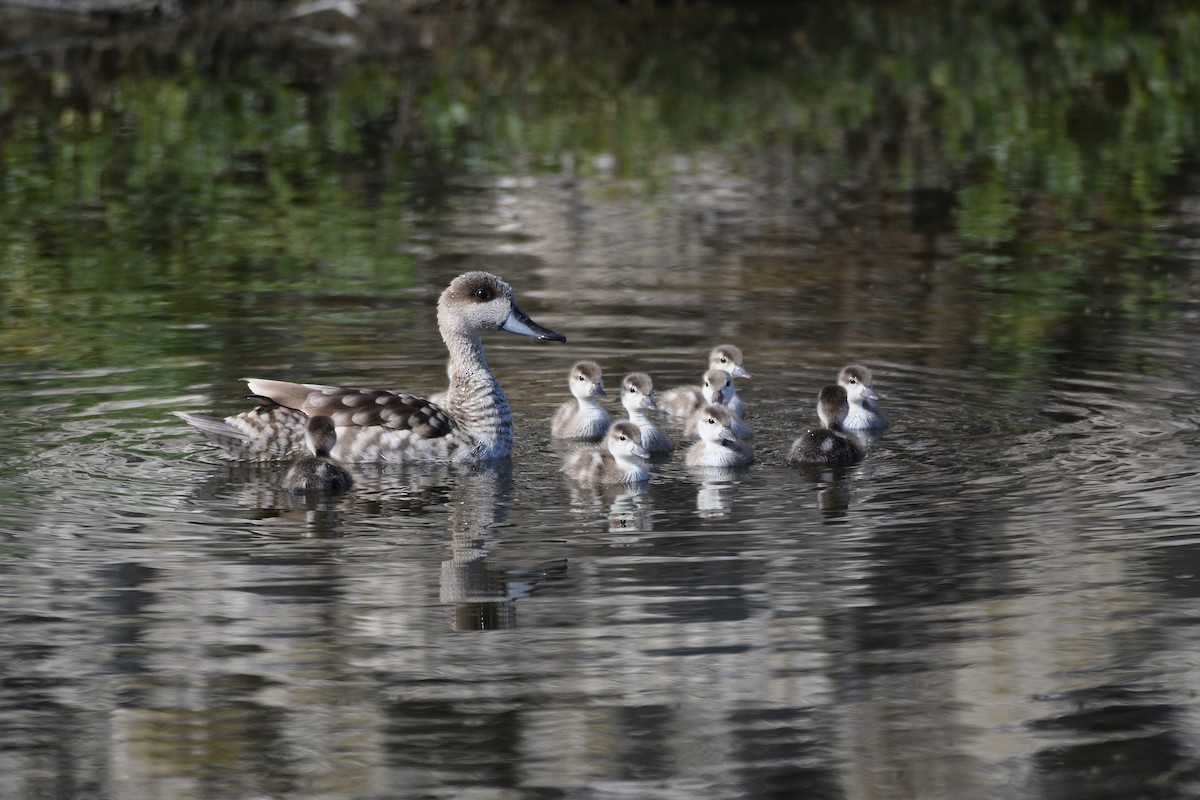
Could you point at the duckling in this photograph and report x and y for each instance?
(317, 472)
(828, 446)
(583, 417)
(684, 401)
(620, 458)
(718, 446)
(865, 413)
(472, 423)
(637, 395)
(716, 388)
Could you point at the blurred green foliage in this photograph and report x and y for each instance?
(198, 165)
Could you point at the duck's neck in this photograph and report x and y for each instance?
(637, 416)
(628, 466)
(474, 397)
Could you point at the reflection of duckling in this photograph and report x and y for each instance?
(684, 401)
(317, 471)
(829, 446)
(619, 459)
(865, 412)
(718, 446)
(583, 417)
(716, 387)
(473, 422)
(637, 394)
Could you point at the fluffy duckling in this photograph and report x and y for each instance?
(684, 401)
(637, 395)
(865, 413)
(828, 446)
(471, 422)
(716, 388)
(583, 417)
(620, 458)
(718, 446)
(317, 472)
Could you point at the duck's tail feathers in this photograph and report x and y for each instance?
(217, 430)
(266, 433)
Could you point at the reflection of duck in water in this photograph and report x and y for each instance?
(472, 423)
(828, 446)
(317, 472)
(637, 396)
(583, 417)
(718, 446)
(865, 412)
(684, 401)
(483, 595)
(620, 458)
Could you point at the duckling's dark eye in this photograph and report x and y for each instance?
(624, 438)
(724, 360)
(582, 378)
(712, 421)
(483, 293)
(852, 380)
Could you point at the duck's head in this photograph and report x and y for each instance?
(856, 380)
(637, 392)
(717, 386)
(714, 423)
(729, 358)
(320, 435)
(477, 302)
(586, 380)
(624, 439)
(833, 404)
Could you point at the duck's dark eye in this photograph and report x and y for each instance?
(583, 377)
(483, 293)
(724, 360)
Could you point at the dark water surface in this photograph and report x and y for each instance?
(997, 211)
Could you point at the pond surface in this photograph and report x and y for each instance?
(1001, 601)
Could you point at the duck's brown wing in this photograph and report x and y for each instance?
(363, 408)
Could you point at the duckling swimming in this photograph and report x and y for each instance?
(583, 417)
(317, 472)
(684, 401)
(620, 458)
(716, 388)
(472, 423)
(718, 446)
(637, 396)
(865, 413)
(828, 446)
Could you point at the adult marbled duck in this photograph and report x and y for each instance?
(317, 472)
(718, 446)
(473, 421)
(683, 401)
(865, 413)
(583, 417)
(620, 458)
(637, 396)
(828, 446)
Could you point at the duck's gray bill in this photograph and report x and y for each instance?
(519, 322)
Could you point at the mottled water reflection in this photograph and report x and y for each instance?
(998, 602)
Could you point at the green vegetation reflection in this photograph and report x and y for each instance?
(203, 168)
